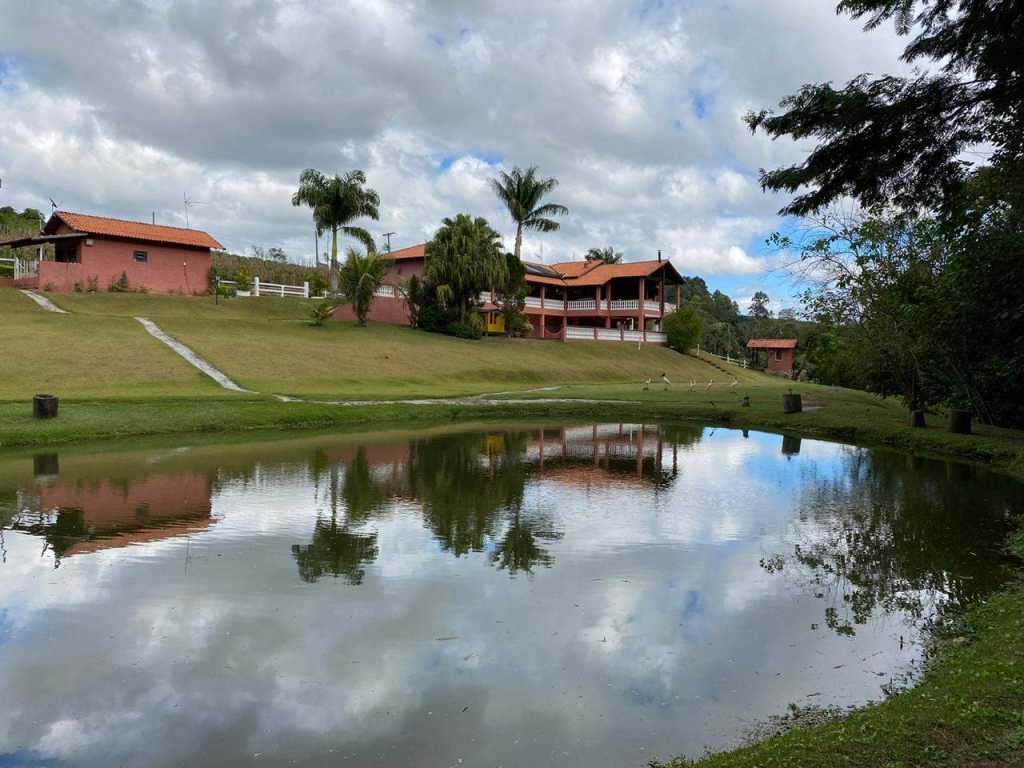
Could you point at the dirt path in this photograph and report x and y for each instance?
(191, 357)
(44, 302)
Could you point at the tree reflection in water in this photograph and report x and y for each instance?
(470, 491)
(879, 537)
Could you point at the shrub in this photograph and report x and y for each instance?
(92, 284)
(79, 287)
(317, 284)
(120, 285)
(320, 312)
(683, 328)
(434, 319)
(472, 328)
(243, 279)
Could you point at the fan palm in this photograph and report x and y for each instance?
(336, 202)
(360, 277)
(608, 255)
(521, 192)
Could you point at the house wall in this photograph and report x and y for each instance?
(382, 310)
(785, 365)
(169, 269)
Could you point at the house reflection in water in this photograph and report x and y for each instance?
(77, 517)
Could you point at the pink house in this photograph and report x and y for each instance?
(780, 353)
(94, 250)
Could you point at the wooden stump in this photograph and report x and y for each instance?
(45, 465)
(44, 406)
(960, 421)
(792, 403)
(917, 419)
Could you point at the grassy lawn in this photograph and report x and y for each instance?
(84, 357)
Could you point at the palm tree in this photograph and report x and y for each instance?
(463, 259)
(360, 277)
(336, 202)
(608, 255)
(521, 192)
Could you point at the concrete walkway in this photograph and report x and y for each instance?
(191, 357)
(44, 302)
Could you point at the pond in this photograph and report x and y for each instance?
(522, 595)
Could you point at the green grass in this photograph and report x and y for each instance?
(85, 357)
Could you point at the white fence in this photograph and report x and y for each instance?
(582, 333)
(579, 304)
(624, 304)
(386, 291)
(740, 361)
(22, 267)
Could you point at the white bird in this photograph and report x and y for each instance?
(734, 383)
(692, 383)
(647, 384)
(712, 381)
(664, 380)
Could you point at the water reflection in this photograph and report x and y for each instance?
(581, 595)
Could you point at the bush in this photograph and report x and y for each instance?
(434, 319)
(683, 328)
(92, 284)
(243, 280)
(320, 312)
(472, 328)
(121, 284)
(317, 284)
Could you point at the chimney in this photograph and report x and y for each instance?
(659, 255)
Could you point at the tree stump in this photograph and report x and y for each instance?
(45, 465)
(44, 406)
(792, 403)
(917, 419)
(960, 421)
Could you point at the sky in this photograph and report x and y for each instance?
(124, 108)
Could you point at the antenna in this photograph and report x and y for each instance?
(387, 236)
(53, 206)
(189, 202)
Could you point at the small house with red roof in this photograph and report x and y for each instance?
(780, 353)
(568, 301)
(101, 252)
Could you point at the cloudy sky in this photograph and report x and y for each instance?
(121, 108)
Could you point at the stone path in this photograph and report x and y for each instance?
(44, 302)
(191, 357)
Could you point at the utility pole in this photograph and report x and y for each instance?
(387, 236)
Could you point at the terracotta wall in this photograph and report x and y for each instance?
(168, 269)
(383, 310)
(785, 365)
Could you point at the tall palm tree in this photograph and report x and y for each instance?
(521, 192)
(360, 277)
(608, 255)
(336, 202)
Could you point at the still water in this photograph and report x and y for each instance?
(594, 595)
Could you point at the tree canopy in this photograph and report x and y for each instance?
(902, 140)
(521, 192)
(465, 258)
(607, 254)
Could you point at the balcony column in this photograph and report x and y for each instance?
(640, 310)
(661, 294)
(607, 291)
(543, 320)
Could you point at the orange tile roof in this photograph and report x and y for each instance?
(566, 273)
(132, 230)
(411, 252)
(771, 344)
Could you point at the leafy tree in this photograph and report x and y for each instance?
(359, 278)
(902, 139)
(683, 327)
(607, 254)
(759, 305)
(521, 192)
(464, 259)
(336, 202)
(417, 294)
(511, 294)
